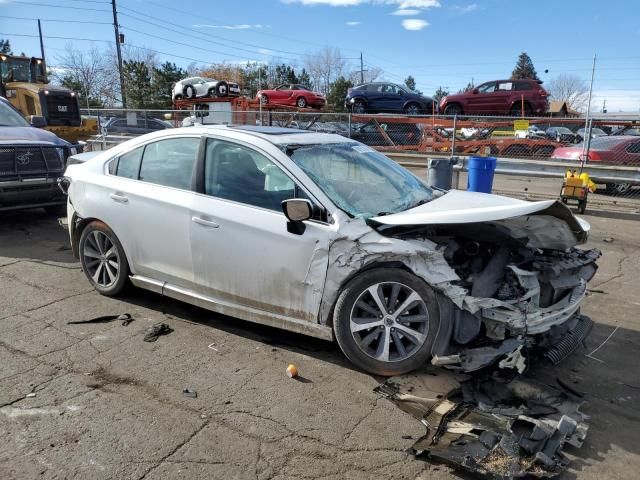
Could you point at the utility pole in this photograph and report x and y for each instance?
(361, 69)
(115, 28)
(44, 64)
(604, 105)
(587, 125)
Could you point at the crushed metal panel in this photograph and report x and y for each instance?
(491, 429)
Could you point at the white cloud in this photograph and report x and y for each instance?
(405, 12)
(332, 3)
(353, 24)
(401, 4)
(463, 9)
(243, 26)
(414, 24)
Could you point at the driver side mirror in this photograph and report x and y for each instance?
(297, 210)
(37, 121)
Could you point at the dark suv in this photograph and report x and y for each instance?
(382, 97)
(31, 160)
(500, 97)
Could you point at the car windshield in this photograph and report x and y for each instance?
(10, 118)
(359, 180)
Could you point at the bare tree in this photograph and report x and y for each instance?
(570, 89)
(324, 66)
(92, 71)
(370, 75)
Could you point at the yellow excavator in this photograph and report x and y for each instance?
(23, 82)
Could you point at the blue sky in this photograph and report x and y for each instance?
(439, 42)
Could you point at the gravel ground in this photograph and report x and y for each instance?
(109, 405)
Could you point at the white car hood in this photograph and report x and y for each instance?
(460, 207)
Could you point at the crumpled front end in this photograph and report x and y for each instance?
(514, 295)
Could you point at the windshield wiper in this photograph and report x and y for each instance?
(421, 202)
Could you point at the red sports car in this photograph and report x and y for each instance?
(620, 149)
(293, 95)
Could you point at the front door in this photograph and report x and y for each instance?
(481, 102)
(242, 251)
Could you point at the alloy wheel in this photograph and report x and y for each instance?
(389, 321)
(101, 258)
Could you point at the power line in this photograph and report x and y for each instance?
(55, 37)
(203, 38)
(61, 20)
(20, 2)
(200, 33)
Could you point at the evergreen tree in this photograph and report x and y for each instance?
(304, 79)
(338, 92)
(410, 82)
(524, 68)
(137, 81)
(440, 94)
(5, 46)
(163, 79)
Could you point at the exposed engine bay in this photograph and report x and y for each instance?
(524, 280)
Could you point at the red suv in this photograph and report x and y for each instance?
(500, 97)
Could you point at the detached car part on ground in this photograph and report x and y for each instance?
(489, 428)
(31, 160)
(325, 236)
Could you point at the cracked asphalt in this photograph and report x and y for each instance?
(108, 405)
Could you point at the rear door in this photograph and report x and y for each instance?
(394, 98)
(147, 201)
(375, 97)
(502, 98)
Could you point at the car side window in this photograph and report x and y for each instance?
(235, 172)
(170, 162)
(505, 86)
(522, 86)
(487, 87)
(129, 164)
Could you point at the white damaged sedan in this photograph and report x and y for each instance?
(324, 236)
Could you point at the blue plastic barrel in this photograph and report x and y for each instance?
(481, 170)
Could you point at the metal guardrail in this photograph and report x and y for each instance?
(532, 168)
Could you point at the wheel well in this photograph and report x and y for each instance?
(353, 275)
(458, 104)
(359, 99)
(518, 104)
(412, 102)
(80, 225)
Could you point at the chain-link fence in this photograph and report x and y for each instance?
(533, 154)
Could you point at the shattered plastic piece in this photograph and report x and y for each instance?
(514, 360)
(608, 240)
(475, 359)
(30, 395)
(155, 331)
(490, 429)
(125, 317)
(189, 392)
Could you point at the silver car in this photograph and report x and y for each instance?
(321, 235)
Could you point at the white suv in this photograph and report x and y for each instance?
(194, 87)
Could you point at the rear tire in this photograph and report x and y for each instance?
(393, 332)
(517, 110)
(103, 259)
(617, 188)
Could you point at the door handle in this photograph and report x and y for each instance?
(205, 223)
(119, 198)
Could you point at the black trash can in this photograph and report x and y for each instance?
(440, 172)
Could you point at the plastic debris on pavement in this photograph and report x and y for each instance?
(157, 330)
(489, 428)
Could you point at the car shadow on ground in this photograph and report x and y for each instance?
(48, 241)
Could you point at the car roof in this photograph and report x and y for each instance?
(274, 135)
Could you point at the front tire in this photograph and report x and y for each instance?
(103, 259)
(453, 109)
(222, 89)
(358, 107)
(264, 99)
(386, 320)
(189, 91)
(301, 102)
(412, 109)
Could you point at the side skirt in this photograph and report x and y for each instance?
(232, 310)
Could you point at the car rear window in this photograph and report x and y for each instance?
(170, 162)
(129, 164)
